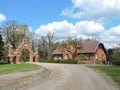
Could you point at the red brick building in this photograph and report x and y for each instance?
(93, 52)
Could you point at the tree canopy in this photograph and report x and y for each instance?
(1, 47)
(71, 45)
(14, 32)
(113, 55)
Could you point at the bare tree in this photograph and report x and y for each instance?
(14, 32)
(42, 46)
(24, 31)
(50, 36)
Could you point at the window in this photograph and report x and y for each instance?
(88, 56)
(96, 56)
(66, 56)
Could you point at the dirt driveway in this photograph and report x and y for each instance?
(72, 77)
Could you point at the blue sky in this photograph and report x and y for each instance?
(67, 18)
(33, 12)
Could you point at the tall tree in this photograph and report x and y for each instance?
(42, 45)
(110, 53)
(72, 46)
(14, 32)
(116, 55)
(1, 47)
(50, 41)
(46, 45)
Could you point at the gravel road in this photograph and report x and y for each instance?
(72, 77)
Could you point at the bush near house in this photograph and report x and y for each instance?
(98, 62)
(82, 56)
(79, 62)
(58, 61)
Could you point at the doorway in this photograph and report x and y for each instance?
(25, 56)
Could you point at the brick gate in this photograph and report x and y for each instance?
(14, 56)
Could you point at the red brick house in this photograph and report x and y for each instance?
(93, 51)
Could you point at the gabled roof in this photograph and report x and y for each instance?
(58, 51)
(89, 47)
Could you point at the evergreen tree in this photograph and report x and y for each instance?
(1, 47)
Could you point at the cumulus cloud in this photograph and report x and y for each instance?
(111, 37)
(61, 29)
(2, 17)
(89, 27)
(65, 29)
(82, 29)
(93, 9)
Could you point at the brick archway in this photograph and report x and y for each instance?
(24, 45)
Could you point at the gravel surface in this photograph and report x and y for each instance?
(72, 77)
(16, 80)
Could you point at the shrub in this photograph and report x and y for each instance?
(98, 61)
(3, 62)
(82, 56)
(81, 62)
(58, 61)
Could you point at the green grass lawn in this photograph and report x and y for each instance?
(8, 68)
(112, 71)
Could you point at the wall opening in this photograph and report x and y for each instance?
(25, 56)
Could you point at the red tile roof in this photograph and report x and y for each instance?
(89, 47)
(58, 51)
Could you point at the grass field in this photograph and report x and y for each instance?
(8, 68)
(112, 71)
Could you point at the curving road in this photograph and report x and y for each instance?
(72, 77)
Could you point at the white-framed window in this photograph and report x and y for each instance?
(66, 56)
(96, 56)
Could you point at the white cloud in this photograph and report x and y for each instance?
(89, 27)
(66, 29)
(82, 29)
(111, 36)
(93, 9)
(2, 17)
(61, 29)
